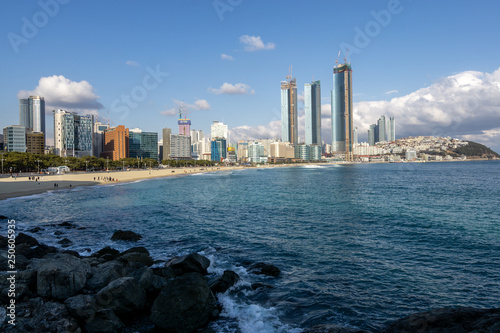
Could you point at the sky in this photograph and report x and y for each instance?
(433, 65)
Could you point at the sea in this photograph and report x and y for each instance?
(358, 245)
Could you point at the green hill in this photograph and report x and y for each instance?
(474, 149)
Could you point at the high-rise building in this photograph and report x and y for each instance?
(219, 130)
(198, 144)
(1, 142)
(184, 126)
(355, 135)
(312, 107)
(282, 150)
(116, 141)
(175, 146)
(289, 116)
(342, 110)
(256, 153)
(35, 143)
(143, 144)
(382, 129)
(98, 141)
(392, 129)
(218, 149)
(371, 135)
(72, 134)
(166, 132)
(14, 138)
(32, 114)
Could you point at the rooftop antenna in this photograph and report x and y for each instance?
(289, 76)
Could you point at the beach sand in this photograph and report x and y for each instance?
(22, 186)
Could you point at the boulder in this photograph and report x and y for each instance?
(260, 285)
(60, 276)
(191, 263)
(81, 307)
(184, 304)
(25, 285)
(65, 242)
(104, 273)
(3, 217)
(265, 269)
(104, 321)
(449, 320)
(226, 281)
(126, 236)
(136, 257)
(67, 225)
(39, 251)
(3, 242)
(22, 238)
(123, 296)
(107, 250)
(35, 230)
(137, 249)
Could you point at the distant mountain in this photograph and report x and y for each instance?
(474, 149)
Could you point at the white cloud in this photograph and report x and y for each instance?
(255, 43)
(200, 104)
(390, 92)
(464, 105)
(233, 89)
(226, 57)
(300, 97)
(132, 63)
(62, 93)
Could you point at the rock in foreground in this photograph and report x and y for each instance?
(126, 236)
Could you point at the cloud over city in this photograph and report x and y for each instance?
(255, 43)
(199, 104)
(62, 93)
(464, 105)
(232, 89)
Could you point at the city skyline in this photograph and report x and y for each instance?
(402, 68)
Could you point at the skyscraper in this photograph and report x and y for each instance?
(14, 137)
(116, 143)
(342, 122)
(98, 141)
(289, 117)
(371, 135)
(382, 129)
(312, 106)
(142, 144)
(219, 130)
(72, 134)
(392, 129)
(32, 114)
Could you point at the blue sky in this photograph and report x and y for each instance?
(431, 64)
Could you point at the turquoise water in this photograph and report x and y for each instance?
(358, 245)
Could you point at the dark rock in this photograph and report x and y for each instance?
(22, 238)
(265, 269)
(60, 276)
(81, 228)
(35, 230)
(58, 233)
(25, 285)
(104, 273)
(65, 242)
(81, 307)
(226, 281)
(4, 242)
(150, 282)
(259, 285)
(184, 304)
(3, 217)
(39, 251)
(105, 321)
(449, 320)
(166, 272)
(137, 249)
(191, 263)
(67, 225)
(123, 296)
(136, 257)
(73, 253)
(37, 315)
(333, 329)
(126, 236)
(107, 250)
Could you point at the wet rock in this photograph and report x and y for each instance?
(4, 241)
(60, 276)
(58, 233)
(22, 238)
(184, 304)
(67, 225)
(3, 217)
(137, 249)
(449, 320)
(104, 273)
(136, 257)
(126, 235)
(39, 251)
(265, 269)
(81, 307)
(105, 321)
(107, 251)
(73, 253)
(259, 285)
(150, 282)
(65, 242)
(191, 263)
(123, 296)
(35, 230)
(166, 272)
(25, 285)
(226, 281)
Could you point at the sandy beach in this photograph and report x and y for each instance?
(22, 186)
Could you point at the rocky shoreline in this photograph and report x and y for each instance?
(58, 290)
